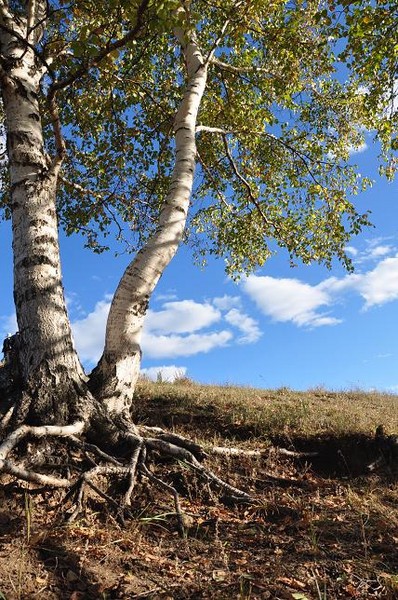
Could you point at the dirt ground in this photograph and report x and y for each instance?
(316, 533)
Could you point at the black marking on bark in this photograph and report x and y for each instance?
(182, 127)
(31, 293)
(37, 223)
(16, 138)
(139, 309)
(46, 239)
(34, 117)
(35, 260)
(26, 160)
(22, 89)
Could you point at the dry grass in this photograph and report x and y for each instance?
(316, 412)
(324, 530)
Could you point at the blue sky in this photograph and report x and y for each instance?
(298, 327)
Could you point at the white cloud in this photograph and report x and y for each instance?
(380, 285)
(379, 251)
(165, 297)
(357, 149)
(248, 326)
(171, 346)
(89, 332)
(376, 287)
(184, 316)
(351, 250)
(375, 249)
(8, 326)
(293, 300)
(227, 302)
(164, 373)
(289, 300)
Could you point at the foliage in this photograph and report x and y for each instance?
(292, 90)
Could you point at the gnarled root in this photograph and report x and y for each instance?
(142, 442)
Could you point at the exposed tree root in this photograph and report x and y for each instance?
(142, 442)
(228, 451)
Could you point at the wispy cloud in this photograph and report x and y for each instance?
(227, 302)
(374, 249)
(89, 332)
(357, 149)
(248, 326)
(165, 297)
(8, 326)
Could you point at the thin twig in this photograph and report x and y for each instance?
(109, 47)
(169, 488)
(132, 473)
(246, 184)
(242, 70)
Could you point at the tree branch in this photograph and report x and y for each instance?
(245, 183)
(60, 146)
(27, 44)
(219, 39)
(31, 18)
(4, 10)
(214, 182)
(241, 70)
(81, 71)
(110, 47)
(304, 158)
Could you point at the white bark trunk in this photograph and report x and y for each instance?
(118, 369)
(47, 355)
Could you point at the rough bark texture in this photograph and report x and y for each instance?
(51, 375)
(117, 372)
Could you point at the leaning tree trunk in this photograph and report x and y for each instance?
(50, 372)
(116, 374)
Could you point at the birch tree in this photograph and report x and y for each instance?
(228, 125)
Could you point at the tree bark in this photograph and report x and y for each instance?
(116, 374)
(50, 372)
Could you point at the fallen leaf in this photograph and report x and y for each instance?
(351, 591)
(292, 582)
(220, 575)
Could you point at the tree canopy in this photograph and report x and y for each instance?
(292, 89)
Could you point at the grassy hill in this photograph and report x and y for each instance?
(323, 527)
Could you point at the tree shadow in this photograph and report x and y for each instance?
(343, 456)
